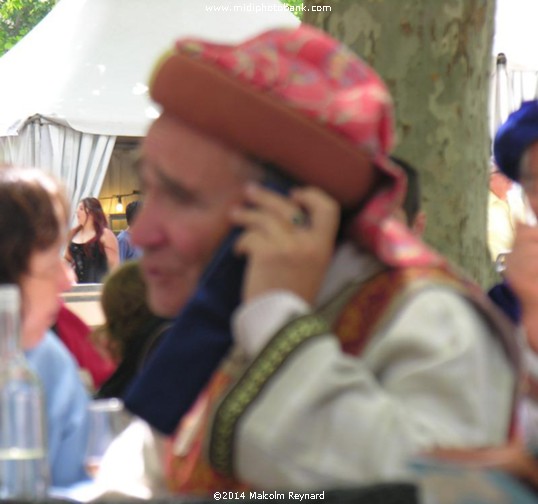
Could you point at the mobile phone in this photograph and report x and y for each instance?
(193, 347)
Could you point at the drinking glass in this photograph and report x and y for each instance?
(107, 418)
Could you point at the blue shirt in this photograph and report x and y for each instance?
(127, 250)
(66, 403)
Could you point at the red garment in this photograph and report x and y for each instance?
(74, 334)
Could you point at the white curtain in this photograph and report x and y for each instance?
(500, 96)
(80, 160)
(510, 86)
(524, 85)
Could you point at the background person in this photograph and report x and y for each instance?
(127, 250)
(131, 331)
(506, 207)
(93, 248)
(74, 333)
(33, 226)
(516, 154)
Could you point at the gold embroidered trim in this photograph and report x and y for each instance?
(251, 383)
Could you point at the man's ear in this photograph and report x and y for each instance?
(419, 224)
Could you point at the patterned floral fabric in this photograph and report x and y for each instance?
(314, 73)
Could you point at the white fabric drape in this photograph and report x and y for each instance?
(511, 86)
(500, 95)
(80, 160)
(524, 85)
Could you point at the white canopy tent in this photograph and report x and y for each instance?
(515, 70)
(78, 80)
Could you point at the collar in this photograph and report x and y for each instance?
(349, 263)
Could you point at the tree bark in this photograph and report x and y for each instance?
(435, 57)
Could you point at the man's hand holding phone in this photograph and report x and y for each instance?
(288, 240)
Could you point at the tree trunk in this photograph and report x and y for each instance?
(435, 56)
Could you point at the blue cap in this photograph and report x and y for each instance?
(512, 139)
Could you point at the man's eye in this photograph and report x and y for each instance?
(179, 195)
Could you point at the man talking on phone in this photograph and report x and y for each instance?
(353, 347)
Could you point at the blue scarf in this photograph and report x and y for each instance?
(192, 348)
(503, 296)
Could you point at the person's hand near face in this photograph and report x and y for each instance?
(283, 252)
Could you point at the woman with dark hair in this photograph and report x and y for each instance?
(33, 227)
(131, 330)
(93, 248)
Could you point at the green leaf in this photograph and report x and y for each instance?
(18, 17)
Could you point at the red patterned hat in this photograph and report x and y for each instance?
(295, 97)
(299, 99)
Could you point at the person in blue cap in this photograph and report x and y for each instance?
(515, 150)
(516, 153)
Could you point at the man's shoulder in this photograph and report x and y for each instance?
(49, 352)
(422, 293)
(447, 304)
(436, 286)
(123, 235)
(393, 283)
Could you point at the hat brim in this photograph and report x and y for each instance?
(259, 125)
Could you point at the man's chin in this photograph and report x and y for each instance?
(163, 306)
(162, 310)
